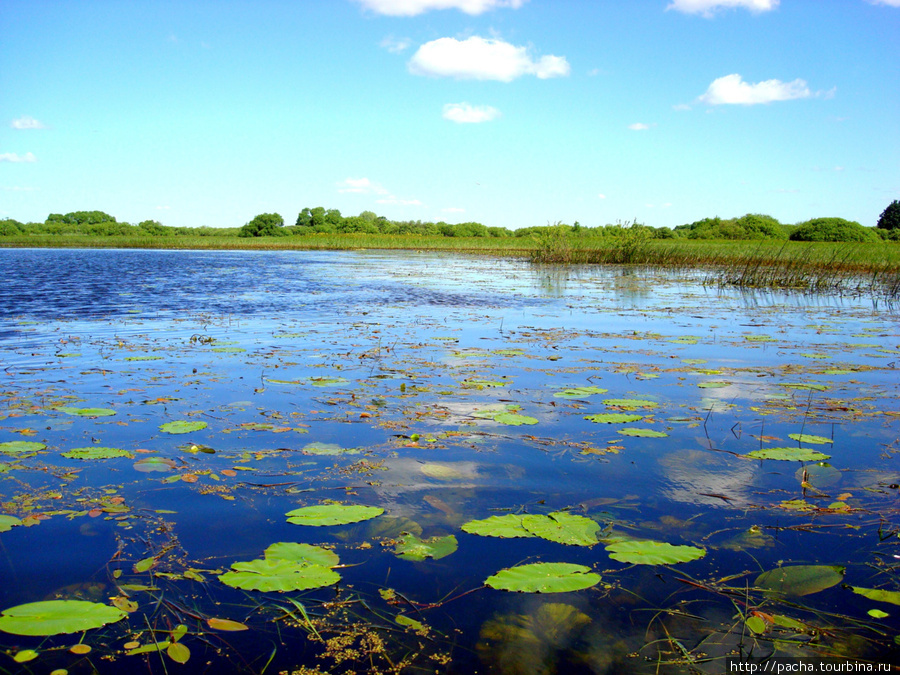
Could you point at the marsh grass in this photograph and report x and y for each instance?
(838, 267)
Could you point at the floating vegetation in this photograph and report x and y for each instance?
(87, 412)
(53, 617)
(332, 514)
(544, 578)
(461, 466)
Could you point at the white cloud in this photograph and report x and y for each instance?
(601, 196)
(463, 113)
(395, 45)
(414, 7)
(480, 58)
(18, 188)
(361, 186)
(640, 126)
(889, 3)
(732, 89)
(26, 122)
(13, 157)
(708, 7)
(453, 209)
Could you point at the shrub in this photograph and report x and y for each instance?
(264, 225)
(890, 217)
(10, 227)
(832, 229)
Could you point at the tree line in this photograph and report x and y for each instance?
(319, 220)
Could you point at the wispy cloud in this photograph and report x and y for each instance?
(889, 3)
(395, 45)
(26, 122)
(414, 7)
(463, 113)
(13, 157)
(708, 8)
(478, 58)
(640, 126)
(732, 90)
(361, 186)
(453, 209)
(18, 188)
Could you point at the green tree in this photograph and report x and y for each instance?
(263, 225)
(890, 217)
(832, 229)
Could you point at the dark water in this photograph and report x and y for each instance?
(396, 364)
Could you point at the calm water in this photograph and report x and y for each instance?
(433, 387)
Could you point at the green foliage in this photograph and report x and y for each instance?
(81, 218)
(264, 225)
(890, 217)
(10, 227)
(53, 617)
(832, 229)
(750, 226)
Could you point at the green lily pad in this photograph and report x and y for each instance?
(97, 453)
(152, 464)
(798, 580)
(143, 358)
(647, 552)
(181, 427)
(714, 385)
(88, 412)
(17, 447)
(477, 383)
(513, 419)
(563, 528)
(878, 595)
(580, 392)
(613, 418)
(410, 547)
(332, 514)
(8, 522)
(328, 449)
(544, 578)
(629, 403)
(804, 386)
(643, 433)
(508, 526)
(328, 381)
(301, 553)
(789, 454)
(809, 438)
(269, 575)
(53, 617)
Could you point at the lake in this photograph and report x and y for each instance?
(336, 462)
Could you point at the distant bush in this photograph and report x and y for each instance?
(81, 218)
(832, 229)
(890, 217)
(10, 227)
(750, 226)
(264, 225)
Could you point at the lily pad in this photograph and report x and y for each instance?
(508, 526)
(17, 447)
(53, 617)
(629, 403)
(278, 575)
(410, 547)
(798, 580)
(332, 514)
(328, 449)
(613, 418)
(97, 453)
(563, 528)
(580, 392)
(152, 464)
(809, 438)
(88, 412)
(8, 522)
(514, 419)
(643, 433)
(544, 578)
(789, 454)
(878, 595)
(328, 381)
(648, 552)
(182, 427)
(714, 385)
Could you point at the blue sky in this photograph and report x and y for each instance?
(512, 113)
